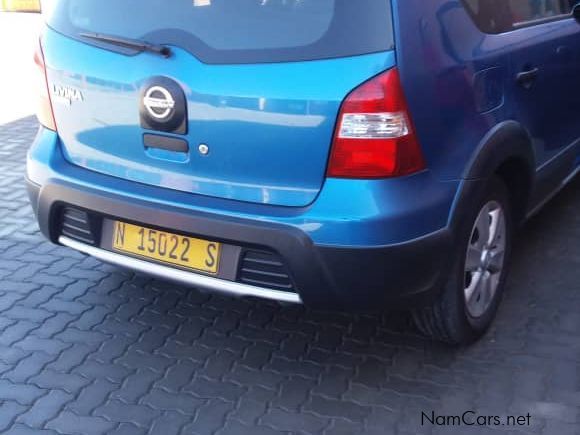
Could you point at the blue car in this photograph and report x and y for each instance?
(346, 155)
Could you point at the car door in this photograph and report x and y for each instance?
(545, 64)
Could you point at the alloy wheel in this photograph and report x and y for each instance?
(485, 259)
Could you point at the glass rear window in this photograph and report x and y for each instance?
(236, 31)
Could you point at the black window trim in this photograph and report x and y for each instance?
(519, 25)
(539, 21)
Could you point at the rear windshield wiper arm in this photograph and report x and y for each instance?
(134, 44)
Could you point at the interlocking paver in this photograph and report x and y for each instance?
(71, 357)
(238, 428)
(20, 429)
(136, 386)
(92, 396)
(70, 423)
(131, 429)
(50, 379)
(24, 394)
(28, 367)
(178, 376)
(205, 388)
(139, 415)
(164, 401)
(45, 345)
(95, 370)
(89, 348)
(210, 417)
(9, 411)
(294, 422)
(45, 408)
(170, 423)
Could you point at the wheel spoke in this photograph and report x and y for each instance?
(486, 289)
(483, 227)
(473, 290)
(497, 260)
(473, 259)
(497, 227)
(495, 281)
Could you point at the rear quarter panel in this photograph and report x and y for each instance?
(455, 77)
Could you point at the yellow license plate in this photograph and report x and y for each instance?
(165, 247)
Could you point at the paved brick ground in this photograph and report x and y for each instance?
(88, 348)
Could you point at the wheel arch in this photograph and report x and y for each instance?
(507, 152)
(508, 140)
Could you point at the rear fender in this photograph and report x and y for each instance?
(506, 141)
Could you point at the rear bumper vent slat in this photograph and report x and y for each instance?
(76, 225)
(67, 226)
(266, 262)
(77, 237)
(264, 273)
(265, 269)
(75, 218)
(268, 284)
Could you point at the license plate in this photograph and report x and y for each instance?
(164, 247)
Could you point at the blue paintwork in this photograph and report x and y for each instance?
(270, 126)
(357, 213)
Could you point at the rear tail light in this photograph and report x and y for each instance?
(375, 137)
(44, 113)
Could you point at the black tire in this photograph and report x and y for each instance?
(448, 319)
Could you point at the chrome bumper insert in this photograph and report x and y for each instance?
(189, 278)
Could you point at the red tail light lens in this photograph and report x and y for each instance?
(375, 137)
(44, 112)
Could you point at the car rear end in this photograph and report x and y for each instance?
(218, 146)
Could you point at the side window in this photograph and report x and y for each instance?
(497, 16)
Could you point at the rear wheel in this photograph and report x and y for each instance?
(471, 296)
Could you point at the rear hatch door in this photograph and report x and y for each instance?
(252, 89)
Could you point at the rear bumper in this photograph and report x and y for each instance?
(330, 277)
(375, 260)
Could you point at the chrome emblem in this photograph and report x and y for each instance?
(66, 94)
(159, 102)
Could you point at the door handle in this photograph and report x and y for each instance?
(527, 78)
